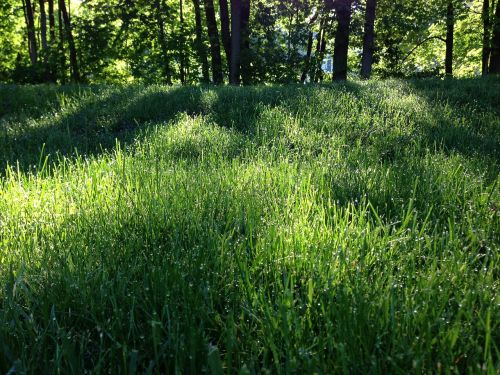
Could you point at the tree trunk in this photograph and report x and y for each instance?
(322, 55)
(62, 55)
(199, 42)
(224, 30)
(213, 36)
(307, 62)
(43, 28)
(234, 75)
(43, 38)
(167, 74)
(75, 73)
(182, 43)
(368, 39)
(341, 48)
(495, 43)
(450, 24)
(52, 22)
(246, 75)
(486, 37)
(30, 25)
(317, 53)
(52, 42)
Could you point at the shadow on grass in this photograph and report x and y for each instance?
(465, 115)
(88, 120)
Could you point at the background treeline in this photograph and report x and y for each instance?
(244, 41)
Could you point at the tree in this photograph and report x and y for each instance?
(52, 42)
(182, 46)
(163, 42)
(213, 36)
(245, 42)
(368, 39)
(75, 73)
(234, 74)
(341, 47)
(495, 43)
(450, 24)
(30, 25)
(202, 55)
(224, 29)
(307, 62)
(485, 55)
(43, 33)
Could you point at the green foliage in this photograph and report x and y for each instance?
(119, 41)
(328, 229)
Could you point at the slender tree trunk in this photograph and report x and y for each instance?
(495, 43)
(75, 73)
(182, 43)
(30, 25)
(317, 53)
(224, 30)
(52, 22)
(486, 37)
(199, 42)
(341, 48)
(246, 75)
(43, 37)
(167, 74)
(52, 42)
(62, 54)
(368, 39)
(307, 62)
(43, 28)
(450, 24)
(322, 55)
(234, 78)
(213, 36)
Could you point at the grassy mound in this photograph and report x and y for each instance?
(347, 228)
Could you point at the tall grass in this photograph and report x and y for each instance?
(331, 229)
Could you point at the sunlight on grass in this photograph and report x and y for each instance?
(324, 229)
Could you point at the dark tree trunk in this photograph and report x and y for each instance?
(343, 10)
(199, 42)
(495, 43)
(62, 54)
(43, 29)
(30, 25)
(75, 73)
(182, 43)
(167, 74)
(234, 75)
(317, 53)
(322, 55)
(52, 42)
(245, 43)
(450, 25)
(486, 37)
(224, 30)
(307, 62)
(368, 39)
(213, 36)
(52, 22)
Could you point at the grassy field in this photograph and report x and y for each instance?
(332, 229)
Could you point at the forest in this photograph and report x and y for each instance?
(245, 41)
(249, 187)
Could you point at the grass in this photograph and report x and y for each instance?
(332, 229)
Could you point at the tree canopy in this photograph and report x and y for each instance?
(247, 41)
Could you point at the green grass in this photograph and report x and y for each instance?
(332, 229)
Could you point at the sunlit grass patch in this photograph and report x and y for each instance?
(338, 228)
